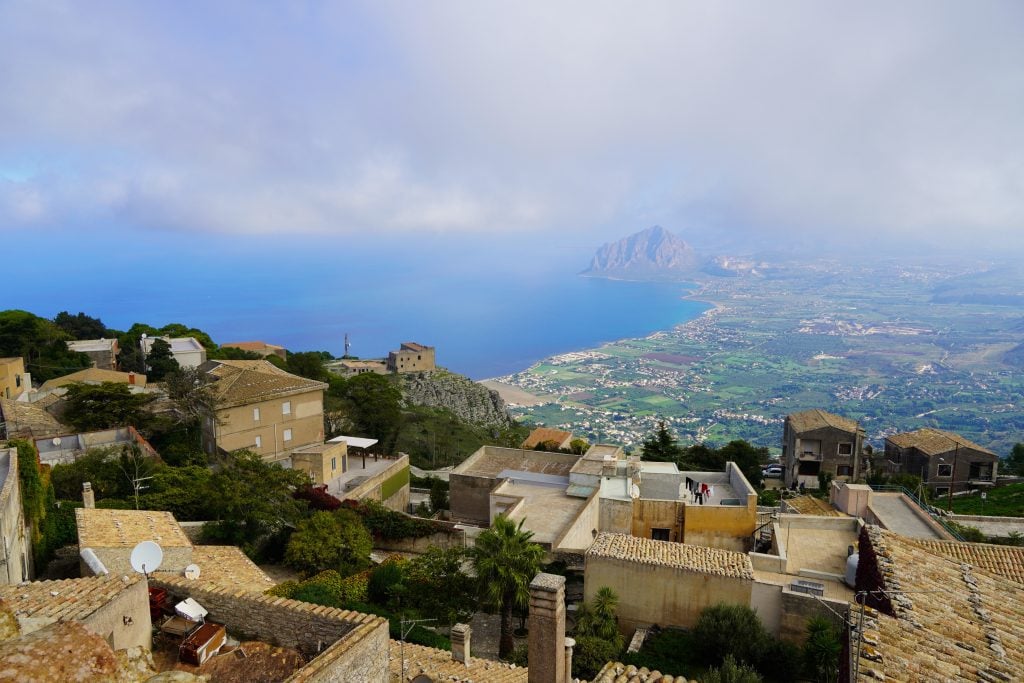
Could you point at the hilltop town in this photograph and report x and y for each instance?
(178, 510)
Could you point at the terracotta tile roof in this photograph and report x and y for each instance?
(809, 505)
(439, 666)
(413, 346)
(126, 528)
(226, 566)
(94, 375)
(617, 672)
(251, 345)
(29, 420)
(1002, 560)
(952, 623)
(240, 382)
(695, 558)
(58, 654)
(47, 602)
(543, 434)
(933, 441)
(809, 420)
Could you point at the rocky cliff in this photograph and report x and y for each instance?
(654, 253)
(470, 401)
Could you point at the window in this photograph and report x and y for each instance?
(945, 470)
(334, 464)
(659, 534)
(287, 435)
(286, 408)
(255, 414)
(942, 491)
(259, 442)
(844, 471)
(846, 449)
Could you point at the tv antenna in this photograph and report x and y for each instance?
(146, 557)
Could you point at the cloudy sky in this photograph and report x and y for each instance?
(398, 119)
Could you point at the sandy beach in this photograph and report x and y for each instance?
(511, 394)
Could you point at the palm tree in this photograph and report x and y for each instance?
(506, 561)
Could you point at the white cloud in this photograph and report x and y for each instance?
(404, 117)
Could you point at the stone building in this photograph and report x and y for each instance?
(566, 500)
(663, 583)
(411, 357)
(16, 563)
(112, 534)
(816, 442)
(262, 408)
(347, 367)
(102, 352)
(943, 460)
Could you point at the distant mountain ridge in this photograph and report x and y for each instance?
(654, 253)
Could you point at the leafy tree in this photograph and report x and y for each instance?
(732, 671)
(722, 630)
(661, 446)
(191, 393)
(179, 330)
(822, 650)
(40, 343)
(232, 353)
(99, 466)
(251, 498)
(330, 540)
(439, 587)
(1014, 464)
(160, 362)
(438, 495)
(748, 458)
(309, 364)
(81, 326)
(182, 491)
(578, 446)
(91, 407)
(387, 583)
(372, 401)
(506, 561)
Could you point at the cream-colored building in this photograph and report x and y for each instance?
(665, 583)
(350, 368)
(412, 357)
(13, 379)
(262, 348)
(186, 350)
(263, 409)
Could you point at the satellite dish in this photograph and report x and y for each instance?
(634, 491)
(56, 441)
(192, 572)
(146, 557)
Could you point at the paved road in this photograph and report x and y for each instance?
(896, 514)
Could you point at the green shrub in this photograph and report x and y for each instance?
(387, 584)
(723, 630)
(731, 672)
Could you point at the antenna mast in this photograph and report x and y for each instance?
(346, 345)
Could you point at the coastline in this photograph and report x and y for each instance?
(513, 394)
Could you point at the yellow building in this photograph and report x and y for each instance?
(263, 409)
(13, 379)
(412, 357)
(323, 462)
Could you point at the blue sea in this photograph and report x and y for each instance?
(488, 311)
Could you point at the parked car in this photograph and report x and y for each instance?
(772, 472)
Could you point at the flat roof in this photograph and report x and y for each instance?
(819, 544)
(490, 461)
(126, 528)
(83, 345)
(353, 441)
(546, 508)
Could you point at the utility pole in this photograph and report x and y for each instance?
(949, 499)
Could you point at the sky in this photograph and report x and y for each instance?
(503, 126)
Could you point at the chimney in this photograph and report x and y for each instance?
(460, 642)
(547, 644)
(88, 497)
